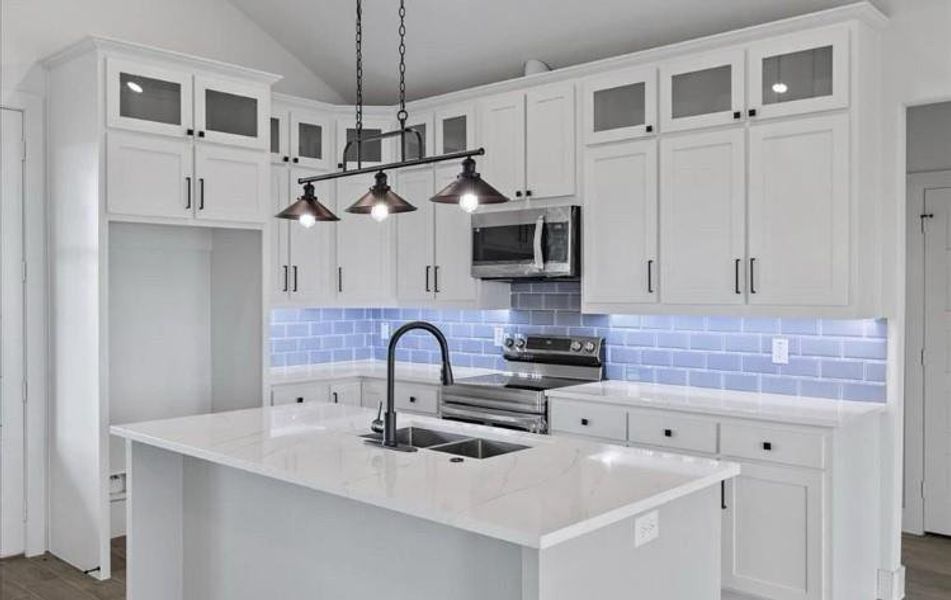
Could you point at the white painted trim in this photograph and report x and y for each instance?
(36, 321)
(891, 584)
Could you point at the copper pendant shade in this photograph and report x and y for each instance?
(469, 183)
(307, 206)
(380, 194)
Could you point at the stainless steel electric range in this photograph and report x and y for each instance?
(516, 399)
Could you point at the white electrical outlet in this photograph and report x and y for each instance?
(384, 331)
(646, 528)
(499, 336)
(780, 351)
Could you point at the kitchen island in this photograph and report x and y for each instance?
(290, 502)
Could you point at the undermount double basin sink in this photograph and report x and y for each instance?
(450, 443)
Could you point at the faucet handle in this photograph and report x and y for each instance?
(377, 425)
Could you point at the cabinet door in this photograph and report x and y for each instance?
(799, 73)
(345, 393)
(148, 175)
(365, 249)
(453, 271)
(550, 141)
(414, 236)
(620, 105)
(799, 204)
(455, 129)
(773, 533)
(232, 112)
(702, 91)
(621, 206)
(310, 144)
(279, 138)
(232, 183)
(374, 152)
(423, 123)
(502, 127)
(280, 232)
(312, 274)
(298, 393)
(703, 218)
(147, 98)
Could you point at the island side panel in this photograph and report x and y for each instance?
(682, 563)
(154, 543)
(249, 537)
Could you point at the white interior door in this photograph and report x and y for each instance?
(937, 363)
(12, 507)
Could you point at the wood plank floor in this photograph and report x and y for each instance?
(928, 560)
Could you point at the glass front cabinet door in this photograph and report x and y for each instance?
(423, 123)
(149, 99)
(799, 73)
(455, 129)
(702, 91)
(231, 112)
(310, 141)
(620, 105)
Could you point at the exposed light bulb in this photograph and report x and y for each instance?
(780, 88)
(134, 87)
(469, 202)
(379, 212)
(307, 220)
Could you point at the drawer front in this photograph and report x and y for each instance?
(311, 391)
(595, 420)
(773, 444)
(416, 398)
(673, 431)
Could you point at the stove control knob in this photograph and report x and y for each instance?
(509, 342)
(576, 346)
(520, 343)
(589, 347)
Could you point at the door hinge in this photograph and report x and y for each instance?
(922, 218)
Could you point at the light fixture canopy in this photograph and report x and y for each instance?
(378, 198)
(307, 209)
(469, 186)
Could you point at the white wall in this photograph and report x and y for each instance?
(929, 138)
(30, 30)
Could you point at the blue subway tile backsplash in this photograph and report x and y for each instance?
(841, 359)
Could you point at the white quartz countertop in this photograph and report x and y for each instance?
(558, 489)
(746, 405)
(373, 369)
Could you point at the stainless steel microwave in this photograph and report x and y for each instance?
(527, 244)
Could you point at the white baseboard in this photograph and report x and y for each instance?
(891, 584)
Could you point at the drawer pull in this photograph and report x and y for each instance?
(668, 433)
(584, 422)
(300, 399)
(767, 446)
(335, 398)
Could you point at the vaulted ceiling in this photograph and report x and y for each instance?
(455, 44)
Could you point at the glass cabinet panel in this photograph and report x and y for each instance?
(702, 92)
(454, 133)
(797, 75)
(310, 141)
(231, 113)
(150, 99)
(618, 107)
(275, 135)
(371, 152)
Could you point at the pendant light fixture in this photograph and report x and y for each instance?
(469, 190)
(307, 210)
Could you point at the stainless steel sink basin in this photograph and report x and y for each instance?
(419, 437)
(449, 443)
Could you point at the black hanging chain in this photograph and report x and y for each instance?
(402, 115)
(359, 81)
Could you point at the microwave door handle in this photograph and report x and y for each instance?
(537, 243)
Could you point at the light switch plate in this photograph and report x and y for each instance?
(499, 336)
(780, 351)
(646, 528)
(384, 331)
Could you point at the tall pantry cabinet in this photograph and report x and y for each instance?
(159, 177)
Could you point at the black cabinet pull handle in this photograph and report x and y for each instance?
(189, 132)
(428, 269)
(201, 195)
(751, 112)
(668, 433)
(752, 278)
(339, 279)
(650, 276)
(296, 160)
(436, 279)
(737, 114)
(201, 134)
(767, 446)
(584, 422)
(295, 278)
(285, 278)
(300, 399)
(518, 193)
(736, 276)
(188, 192)
(723, 495)
(335, 397)
(649, 128)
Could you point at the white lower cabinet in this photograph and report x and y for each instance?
(298, 393)
(347, 392)
(418, 398)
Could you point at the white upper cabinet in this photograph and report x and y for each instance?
(232, 112)
(452, 273)
(280, 233)
(416, 147)
(502, 126)
(620, 105)
(455, 128)
(148, 175)
(415, 254)
(148, 98)
(799, 212)
(620, 250)
(311, 140)
(231, 183)
(373, 152)
(702, 90)
(312, 253)
(703, 217)
(364, 249)
(798, 73)
(550, 141)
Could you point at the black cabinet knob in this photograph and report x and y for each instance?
(751, 112)
(584, 422)
(649, 128)
(201, 134)
(528, 193)
(296, 160)
(286, 159)
(767, 446)
(518, 194)
(668, 433)
(300, 400)
(412, 399)
(737, 114)
(189, 132)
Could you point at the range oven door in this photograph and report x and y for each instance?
(535, 243)
(493, 417)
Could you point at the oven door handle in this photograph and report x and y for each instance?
(534, 424)
(533, 408)
(537, 243)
